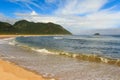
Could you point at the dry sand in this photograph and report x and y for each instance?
(7, 36)
(9, 71)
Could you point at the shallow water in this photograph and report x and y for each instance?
(105, 49)
(61, 67)
(107, 46)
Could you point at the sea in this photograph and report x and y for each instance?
(69, 57)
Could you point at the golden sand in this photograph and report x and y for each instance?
(9, 36)
(9, 71)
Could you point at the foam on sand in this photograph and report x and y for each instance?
(81, 56)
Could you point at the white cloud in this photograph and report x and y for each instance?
(68, 15)
(50, 1)
(81, 6)
(76, 24)
(33, 13)
(33, 16)
(21, 0)
(3, 18)
(28, 3)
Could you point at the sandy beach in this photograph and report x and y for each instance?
(22, 63)
(10, 71)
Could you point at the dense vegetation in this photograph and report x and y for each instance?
(6, 28)
(25, 27)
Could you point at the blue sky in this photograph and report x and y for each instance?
(78, 16)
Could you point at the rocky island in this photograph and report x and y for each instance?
(97, 34)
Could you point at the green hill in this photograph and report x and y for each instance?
(6, 28)
(26, 27)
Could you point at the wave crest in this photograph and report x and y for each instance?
(85, 57)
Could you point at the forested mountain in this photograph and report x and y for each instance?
(26, 27)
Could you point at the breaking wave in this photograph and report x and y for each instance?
(82, 56)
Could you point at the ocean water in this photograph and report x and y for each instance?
(104, 46)
(66, 57)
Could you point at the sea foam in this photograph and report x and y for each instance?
(80, 56)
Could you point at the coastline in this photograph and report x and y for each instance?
(55, 67)
(83, 56)
(10, 35)
(11, 71)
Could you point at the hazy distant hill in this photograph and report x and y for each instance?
(25, 27)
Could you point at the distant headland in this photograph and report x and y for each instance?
(26, 27)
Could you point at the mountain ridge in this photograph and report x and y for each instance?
(26, 27)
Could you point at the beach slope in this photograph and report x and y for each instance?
(10, 71)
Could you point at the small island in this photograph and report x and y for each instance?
(97, 34)
(32, 28)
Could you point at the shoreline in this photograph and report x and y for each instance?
(12, 71)
(54, 67)
(85, 57)
(13, 35)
